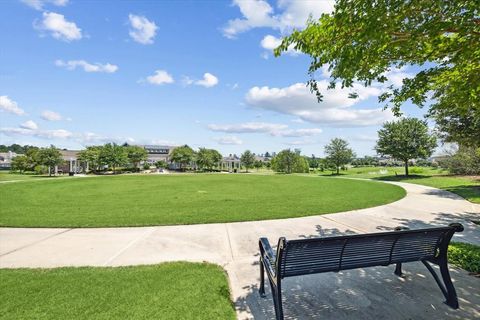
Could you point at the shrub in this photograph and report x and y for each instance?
(146, 166)
(416, 170)
(464, 161)
(465, 256)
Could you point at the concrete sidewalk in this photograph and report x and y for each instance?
(365, 293)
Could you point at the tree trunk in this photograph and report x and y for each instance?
(406, 168)
(113, 169)
(338, 170)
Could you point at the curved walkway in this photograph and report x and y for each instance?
(364, 293)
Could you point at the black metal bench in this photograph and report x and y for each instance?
(318, 255)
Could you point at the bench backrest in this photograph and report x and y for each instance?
(307, 256)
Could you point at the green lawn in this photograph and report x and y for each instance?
(7, 176)
(467, 187)
(177, 290)
(136, 200)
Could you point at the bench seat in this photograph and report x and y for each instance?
(317, 255)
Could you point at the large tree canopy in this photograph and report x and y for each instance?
(406, 139)
(362, 40)
(338, 153)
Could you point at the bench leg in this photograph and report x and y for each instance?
(447, 287)
(398, 269)
(262, 279)
(277, 301)
(452, 300)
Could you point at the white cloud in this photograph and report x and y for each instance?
(396, 76)
(31, 129)
(335, 109)
(8, 105)
(257, 13)
(59, 27)
(39, 4)
(186, 81)
(296, 13)
(229, 140)
(274, 129)
(297, 120)
(248, 127)
(297, 132)
(208, 81)
(45, 134)
(270, 42)
(290, 14)
(29, 125)
(51, 116)
(160, 77)
(143, 30)
(87, 67)
(302, 142)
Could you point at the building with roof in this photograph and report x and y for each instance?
(6, 159)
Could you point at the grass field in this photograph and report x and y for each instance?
(136, 200)
(466, 187)
(7, 176)
(167, 291)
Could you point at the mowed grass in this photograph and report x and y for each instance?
(177, 290)
(464, 186)
(7, 176)
(140, 200)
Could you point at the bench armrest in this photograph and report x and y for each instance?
(268, 255)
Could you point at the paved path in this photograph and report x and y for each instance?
(364, 293)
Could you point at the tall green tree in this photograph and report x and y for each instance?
(135, 155)
(49, 157)
(288, 161)
(20, 163)
(258, 164)
(183, 155)
(406, 139)
(338, 153)
(247, 159)
(208, 158)
(363, 40)
(113, 155)
(91, 154)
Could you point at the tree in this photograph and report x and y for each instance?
(313, 162)
(183, 155)
(406, 139)
(113, 155)
(258, 164)
(289, 162)
(49, 157)
(135, 155)
(161, 164)
(465, 161)
(208, 158)
(338, 153)
(247, 159)
(20, 163)
(361, 41)
(91, 155)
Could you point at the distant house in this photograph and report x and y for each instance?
(6, 159)
(231, 163)
(71, 163)
(158, 153)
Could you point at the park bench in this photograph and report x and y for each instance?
(318, 255)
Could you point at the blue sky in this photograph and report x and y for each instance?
(76, 73)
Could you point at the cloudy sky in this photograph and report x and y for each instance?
(76, 73)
